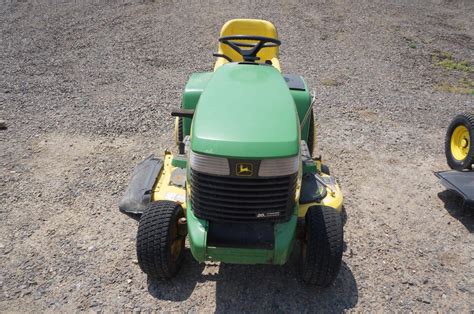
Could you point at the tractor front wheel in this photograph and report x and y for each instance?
(322, 246)
(160, 244)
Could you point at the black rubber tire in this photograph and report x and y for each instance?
(325, 169)
(180, 129)
(468, 121)
(154, 240)
(311, 134)
(322, 246)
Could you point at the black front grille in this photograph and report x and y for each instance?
(228, 198)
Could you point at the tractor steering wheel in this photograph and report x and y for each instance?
(250, 54)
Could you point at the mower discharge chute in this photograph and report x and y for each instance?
(244, 186)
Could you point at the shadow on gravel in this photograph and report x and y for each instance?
(182, 286)
(260, 288)
(453, 204)
(278, 289)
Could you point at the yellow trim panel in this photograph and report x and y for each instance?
(163, 189)
(334, 199)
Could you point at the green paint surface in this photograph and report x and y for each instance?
(302, 101)
(192, 91)
(246, 111)
(198, 82)
(284, 241)
(197, 234)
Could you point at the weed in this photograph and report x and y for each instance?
(465, 86)
(446, 60)
(330, 82)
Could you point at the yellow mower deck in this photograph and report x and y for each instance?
(170, 186)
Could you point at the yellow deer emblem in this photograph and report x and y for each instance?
(244, 169)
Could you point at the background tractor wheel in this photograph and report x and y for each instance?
(160, 246)
(459, 142)
(322, 246)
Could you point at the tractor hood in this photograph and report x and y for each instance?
(246, 111)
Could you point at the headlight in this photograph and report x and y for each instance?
(278, 167)
(209, 164)
(220, 166)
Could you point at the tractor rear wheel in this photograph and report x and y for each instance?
(322, 246)
(160, 246)
(459, 142)
(178, 130)
(311, 134)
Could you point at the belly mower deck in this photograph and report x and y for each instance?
(460, 182)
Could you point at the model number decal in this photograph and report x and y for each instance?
(265, 215)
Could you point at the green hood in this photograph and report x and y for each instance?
(246, 111)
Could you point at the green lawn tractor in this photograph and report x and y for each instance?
(459, 150)
(245, 186)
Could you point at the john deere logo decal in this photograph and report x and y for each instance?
(244, 169)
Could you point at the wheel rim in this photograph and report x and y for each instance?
(460, 143)
(177, 241)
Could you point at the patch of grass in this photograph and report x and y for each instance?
(466, 82)
(453, 65)
(446, 55)
(465, 86)
(411, 42)
(330, 82)
(448, 88)
(446, 60)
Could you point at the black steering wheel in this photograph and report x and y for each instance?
(250, 54)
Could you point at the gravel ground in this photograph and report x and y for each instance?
(86, 89)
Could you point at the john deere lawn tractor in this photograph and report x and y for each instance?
(459, 150)
(245, 185)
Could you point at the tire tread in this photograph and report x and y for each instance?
(324, 247)
(153, 240)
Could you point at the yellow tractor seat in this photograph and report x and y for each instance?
(248, 27)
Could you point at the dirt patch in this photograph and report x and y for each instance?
(86, 90)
